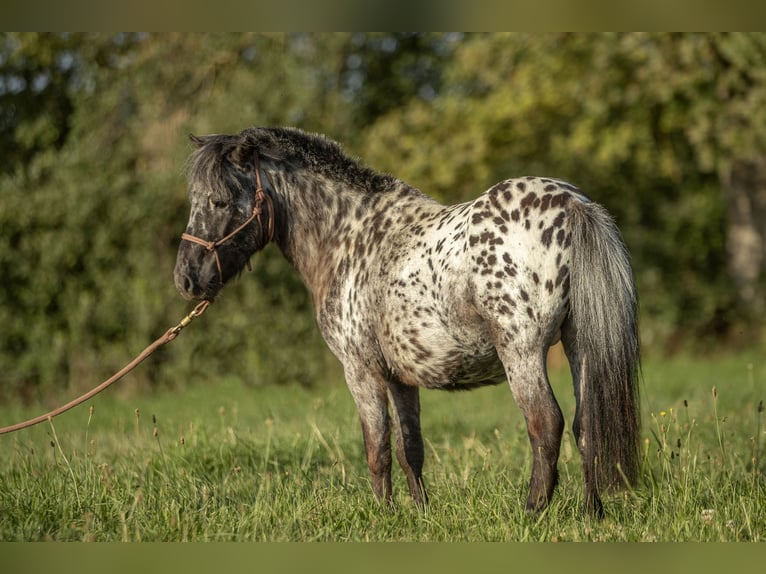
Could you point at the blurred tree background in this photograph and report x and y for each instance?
(666, 130)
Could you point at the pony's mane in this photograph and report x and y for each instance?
(319, 154)
(214, 161)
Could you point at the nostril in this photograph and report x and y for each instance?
(188, 284)
(185, 283)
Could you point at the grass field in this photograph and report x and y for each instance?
(231, 462)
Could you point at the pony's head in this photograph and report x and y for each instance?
(231, 218)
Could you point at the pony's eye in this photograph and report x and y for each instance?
(219, 204)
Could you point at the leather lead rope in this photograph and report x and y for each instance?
(169, 335)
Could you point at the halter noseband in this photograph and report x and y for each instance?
(260, 197)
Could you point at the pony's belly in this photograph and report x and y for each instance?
(474, 371)
(439, 362)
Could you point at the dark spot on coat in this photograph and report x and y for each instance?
(547, 237)
(560, 200)
(528, 199)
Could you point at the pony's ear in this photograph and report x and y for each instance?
(197, 141)
(241, 155)
(262, 142)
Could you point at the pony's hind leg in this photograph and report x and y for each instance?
(369, 392)
(405, 403)
(532, 392)
(592, 504)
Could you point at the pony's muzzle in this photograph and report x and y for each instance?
(187, 285)
(195, 283)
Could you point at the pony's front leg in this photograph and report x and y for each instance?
(369, 392)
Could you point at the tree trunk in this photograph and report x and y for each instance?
(745, 194)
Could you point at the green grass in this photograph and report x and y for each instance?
(230, 462)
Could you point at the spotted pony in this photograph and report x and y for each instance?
(410, 293)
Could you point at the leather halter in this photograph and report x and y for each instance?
(260, 197)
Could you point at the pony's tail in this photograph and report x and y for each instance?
(603, 319)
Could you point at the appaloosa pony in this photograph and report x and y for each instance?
(411, 293)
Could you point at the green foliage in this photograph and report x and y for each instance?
(93, 200)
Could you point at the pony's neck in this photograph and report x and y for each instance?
(315, 216)
(323, 221)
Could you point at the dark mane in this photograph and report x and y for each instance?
(220, 162)
(318, 154)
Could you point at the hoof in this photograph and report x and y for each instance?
(593, 507)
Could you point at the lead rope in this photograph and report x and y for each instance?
(169, 335)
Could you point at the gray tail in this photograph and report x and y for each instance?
(603, 317)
